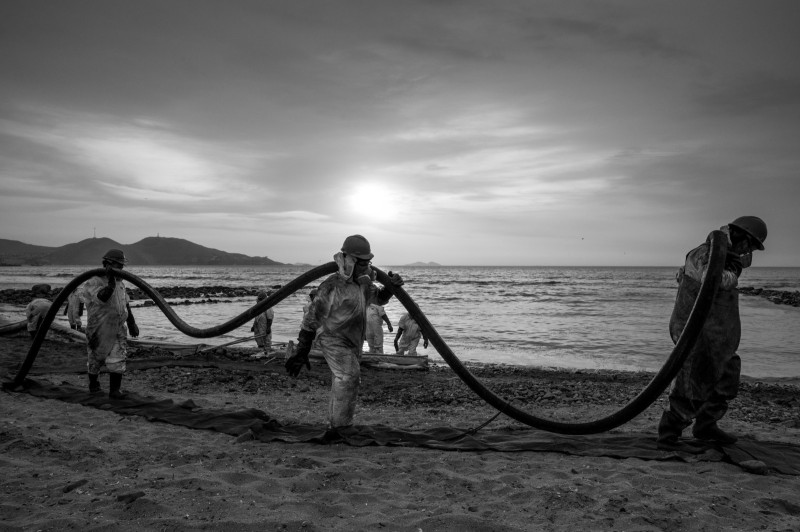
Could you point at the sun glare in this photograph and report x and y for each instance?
(375, 201)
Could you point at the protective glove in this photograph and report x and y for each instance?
(396, 279)
(111, 275)
(105, 293)
(747, 260)
(364, 280)
(133, 329)
(733, 262)
(299, 359)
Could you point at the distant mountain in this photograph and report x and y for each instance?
(16, 252)
(85, 252)
(151, 251)
(430, 264)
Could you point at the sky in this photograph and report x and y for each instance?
(608, 133)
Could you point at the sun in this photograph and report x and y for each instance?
(375, 201)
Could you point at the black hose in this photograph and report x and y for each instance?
(636, 406)
(248, 315)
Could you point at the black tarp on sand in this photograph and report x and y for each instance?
(256, 424)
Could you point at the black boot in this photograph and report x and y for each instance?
(670, 429)
(711, 432)
(114, 386)
(94, 384)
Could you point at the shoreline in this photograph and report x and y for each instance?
(436, 360)
(775, 402)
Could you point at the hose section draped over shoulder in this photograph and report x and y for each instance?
(638, 404)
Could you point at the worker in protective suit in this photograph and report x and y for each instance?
(74, 310)
(36, 310)
(107, 314)
(376, 317)
(262, 325)
(336, 318)
(408, 336)
(710, 376)
(309, 299)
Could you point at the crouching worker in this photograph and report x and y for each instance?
(107, 313)
(38, 307)
(408, 335)
(337, 319)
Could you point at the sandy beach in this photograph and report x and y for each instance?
(67, 466)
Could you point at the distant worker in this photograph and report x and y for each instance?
(74, 310)
(262, 326)
(710, 376)
(337, 318)
(310, 299)
(107, 313)
(376, 317)
(408, 335)
(38, 307)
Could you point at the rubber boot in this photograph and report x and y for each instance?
(705, 425)
(709, 431)
(94, 384)
(114, 386)
(670, 429)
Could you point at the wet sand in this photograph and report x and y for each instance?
(66, 466)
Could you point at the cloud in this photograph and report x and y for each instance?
(462, 126)
(751, 94)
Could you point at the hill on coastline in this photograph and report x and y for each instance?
(150, 251)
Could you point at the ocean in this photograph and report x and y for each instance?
(564, 317)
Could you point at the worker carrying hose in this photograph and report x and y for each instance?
(336, 318)
(710, 376)
(107, 314)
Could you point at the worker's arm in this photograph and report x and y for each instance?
(133, 329)
(397, 337)
(385, 293)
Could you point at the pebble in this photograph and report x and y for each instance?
(756, 467)
(130, 497)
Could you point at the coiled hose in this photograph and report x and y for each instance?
(636, 406)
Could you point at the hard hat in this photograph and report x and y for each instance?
(357, 246)
(261, 294)
(115, 255)
(40, 289)
(753, 226)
